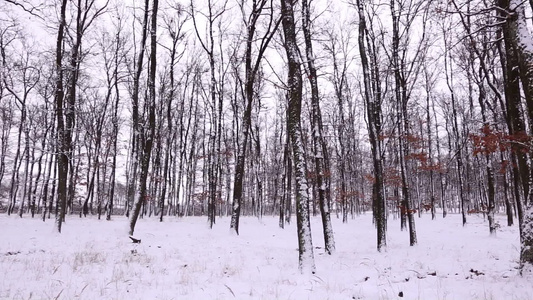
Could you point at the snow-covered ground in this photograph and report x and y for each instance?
(182, 258)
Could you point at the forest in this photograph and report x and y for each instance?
(227, 108)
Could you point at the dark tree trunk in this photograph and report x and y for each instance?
(319, 146)
(517, 34)
(62, 145)
(404, 131)
(147, 134)
(372, 95)
(294, 109)
(135, 150)
(251, 70)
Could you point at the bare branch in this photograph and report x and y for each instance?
(27, 7)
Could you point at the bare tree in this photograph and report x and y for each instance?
(62, 142)
(372, 96)
(216, 106)
(516, 33)
(252, 66)
(175, 30)
(320, 150)
(294, 109)
(147, 130)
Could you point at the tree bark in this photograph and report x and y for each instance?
(319, 145)
(373, 109)
(62, 145)
(251, 70)
(294, 84)
(147, 134)
(520, 40)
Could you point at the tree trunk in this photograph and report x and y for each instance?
(403, 121)
(147, 134)
(319, 146)
(294, 84)
(372, 95)
(519, 39)
(251, 69)
(62, 146)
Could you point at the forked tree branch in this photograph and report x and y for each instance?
(27, 7)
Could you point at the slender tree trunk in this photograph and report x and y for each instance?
(490, 172)
(135, 150)
(170, 134)
(111, 201)
(455, 127)
(148, 133)
(372, 95)
(287, 184)
(430, 146)
(319, 147)
(16, 162)
(62, 145)
(294, 110)
(403, 121)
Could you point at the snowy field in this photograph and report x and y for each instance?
(183, 259)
